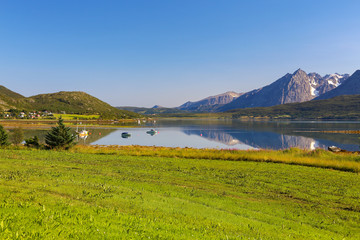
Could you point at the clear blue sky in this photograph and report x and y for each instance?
(142, 53)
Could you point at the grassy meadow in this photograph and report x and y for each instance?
(317, 158)
(77, 116)
(106, 193)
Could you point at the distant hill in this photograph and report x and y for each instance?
(296, 87)
(210, 104)
(341, 107)
(350, 86)
(152, 111)
(76, 102)
(70, 102)
(158, 106)
(10, 99)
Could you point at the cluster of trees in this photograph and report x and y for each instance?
(59, 137)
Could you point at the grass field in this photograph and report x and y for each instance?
(106, 195)
(317, 158)
(77, 116)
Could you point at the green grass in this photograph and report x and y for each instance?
(317, 158)
(77, 116)
(69, 195)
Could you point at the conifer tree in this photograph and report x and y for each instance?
(17, 136)
(60, 136)
(3, 137)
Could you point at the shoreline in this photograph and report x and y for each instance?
(47, 124)
(321, 158)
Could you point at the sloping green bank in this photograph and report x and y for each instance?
(65, 195)
(316, 158)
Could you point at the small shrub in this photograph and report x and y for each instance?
(32, 142)
(17, 136)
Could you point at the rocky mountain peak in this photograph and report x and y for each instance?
(299, 72)
(314, 75)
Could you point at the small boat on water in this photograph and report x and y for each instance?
(152, 132)
(83, 133)
(125, 135)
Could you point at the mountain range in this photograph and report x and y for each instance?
(209, 104)
(291, 88)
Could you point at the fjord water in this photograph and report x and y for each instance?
(233, 134)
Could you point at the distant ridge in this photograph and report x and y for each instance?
(158, 106)
(152, 111)
(211, 103)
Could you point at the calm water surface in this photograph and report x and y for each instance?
(230, 134)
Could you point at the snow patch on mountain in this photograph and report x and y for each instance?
(334, 79)
(313, 91)
(336, 84)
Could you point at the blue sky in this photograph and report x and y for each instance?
(147, 52)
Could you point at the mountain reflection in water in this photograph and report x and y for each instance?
(281, 135)
(263, 140)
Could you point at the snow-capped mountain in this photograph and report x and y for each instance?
(349, 86)
(291, 88)
(320, 85)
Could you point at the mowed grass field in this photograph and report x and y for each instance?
(75, 195)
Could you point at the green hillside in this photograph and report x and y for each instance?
(341, 107)
(10, 99)
(76, 102)
(69, 102)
